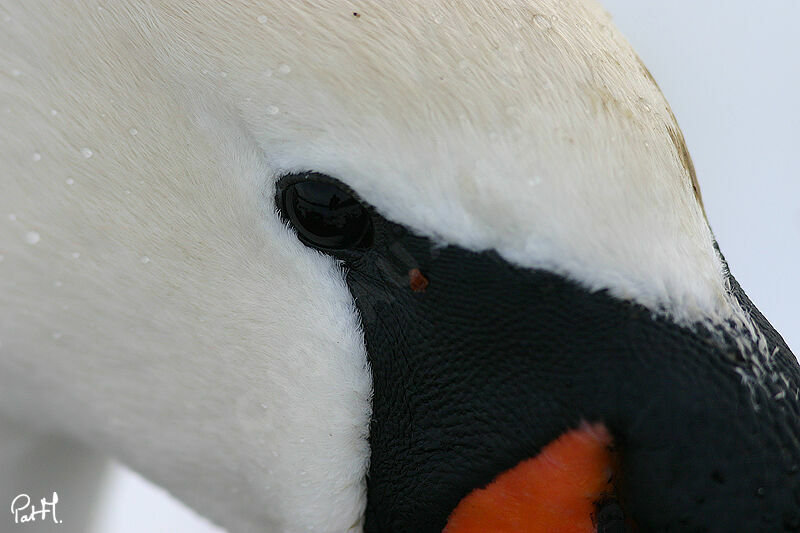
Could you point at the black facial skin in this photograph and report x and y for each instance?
(492, 362)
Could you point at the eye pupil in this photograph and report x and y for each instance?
(325, 215)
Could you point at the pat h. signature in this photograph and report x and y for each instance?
(24, 512)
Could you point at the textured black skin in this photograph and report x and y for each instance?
(493, 362)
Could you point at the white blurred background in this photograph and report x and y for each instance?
(731, 71)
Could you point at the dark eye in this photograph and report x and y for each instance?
(324, 214)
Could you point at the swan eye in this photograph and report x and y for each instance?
(324, 213)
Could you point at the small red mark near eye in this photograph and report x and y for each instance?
(417, 281)
(356, 14)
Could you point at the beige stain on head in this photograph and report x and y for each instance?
(676, 135)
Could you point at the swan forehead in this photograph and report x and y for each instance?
(528, 127)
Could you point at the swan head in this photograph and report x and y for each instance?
(326, 270)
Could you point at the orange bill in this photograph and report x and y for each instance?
(554, 492)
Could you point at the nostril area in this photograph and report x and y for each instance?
(610, 517)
